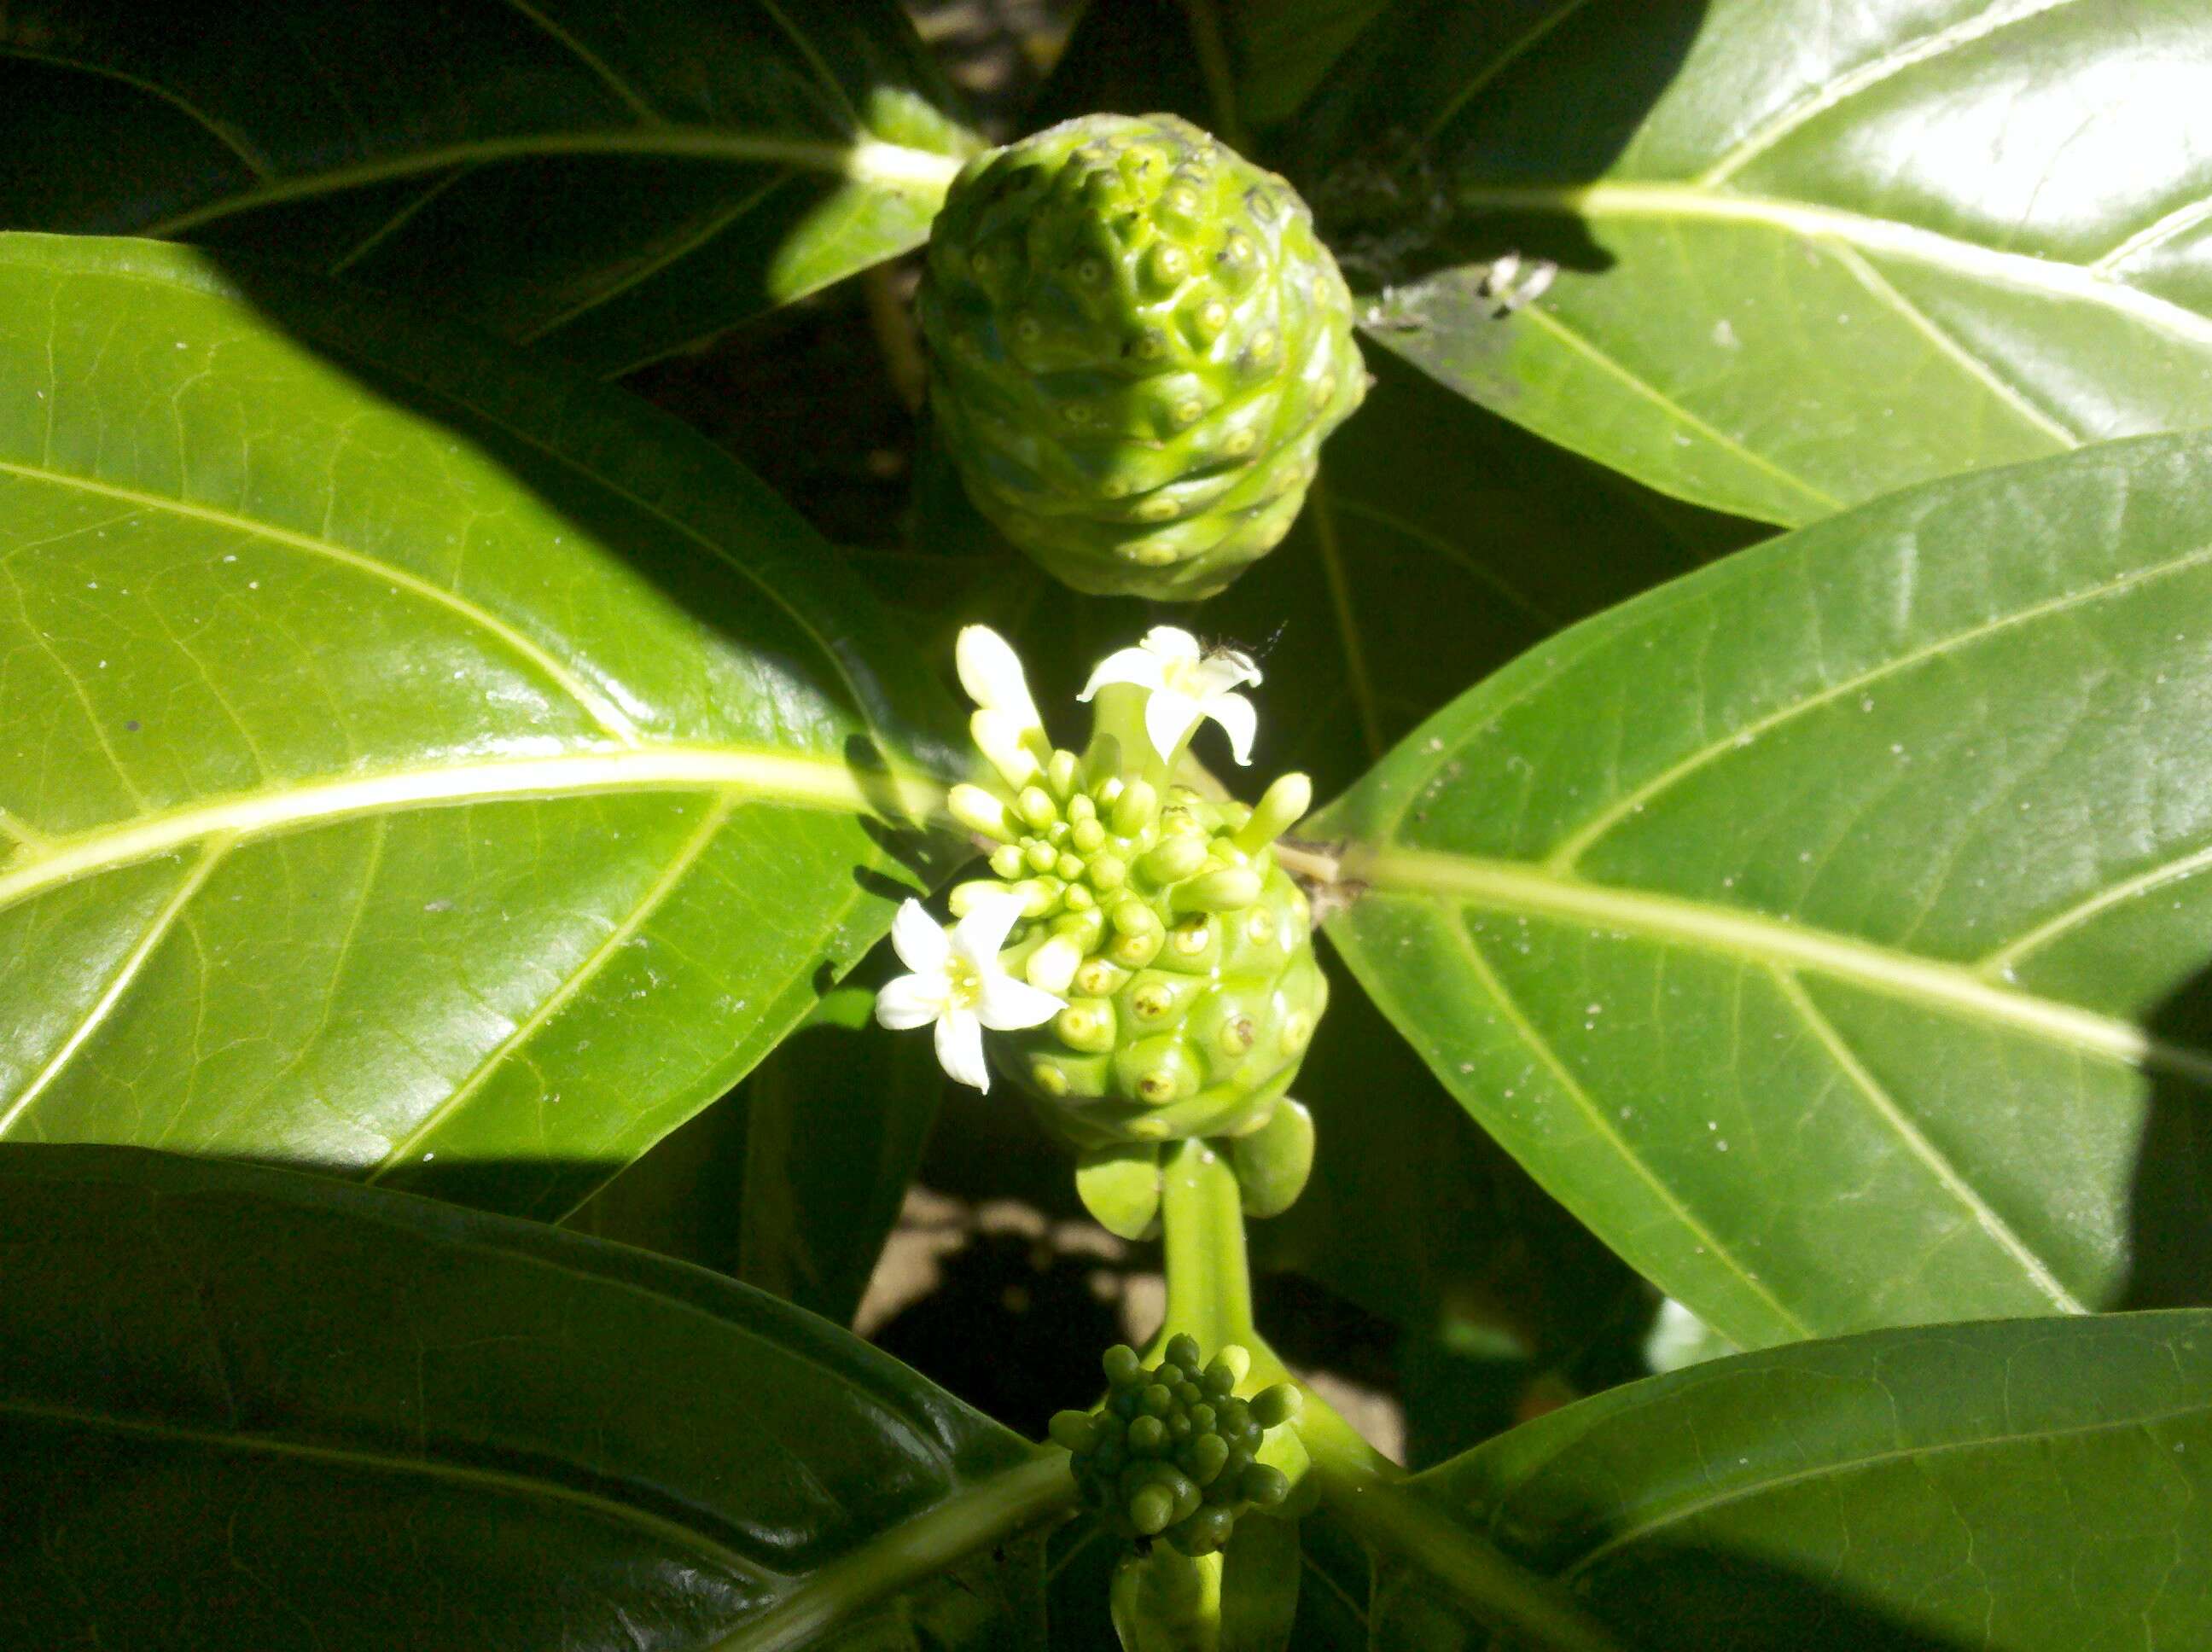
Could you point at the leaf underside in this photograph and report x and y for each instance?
(1825, 929)
(615, 180)
(247, 1407)
(1805, 258)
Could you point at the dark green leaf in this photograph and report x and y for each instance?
(2024, 1486)
(835, 1123)
(1808, 256)
(1142, 57)
(243, 1407)
(1824, 928)
(419, 764)
(617, 177)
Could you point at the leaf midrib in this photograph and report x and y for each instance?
(471, 1476)
(1696, 1506)
(595, 704)
(1756, 939)
(773, 777)
(872, 161)
(1891, 237)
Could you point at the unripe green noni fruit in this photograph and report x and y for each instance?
(1136, 345)
(1185, 955)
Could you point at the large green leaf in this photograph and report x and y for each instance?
(618, 178)
(241, 1407)
(417, 763)
(1810, 255)
(1821, 928)
(2020, 1486)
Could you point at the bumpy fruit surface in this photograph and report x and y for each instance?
(1173, 1453)
(1196, 993)
(1137, 344)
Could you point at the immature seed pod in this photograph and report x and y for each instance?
(1136, 344)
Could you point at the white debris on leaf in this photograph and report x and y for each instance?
(958, 984)
(1187, 685)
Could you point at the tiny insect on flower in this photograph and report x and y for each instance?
(958, 984)
(1188, 685)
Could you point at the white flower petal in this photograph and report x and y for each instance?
(960, 1049)
(1225, 669)
(1171, 642)
(1135, 666)
(1237, 719)
(1004, 1003)
(1169, 718)
(991, 674)
(919, 940)
(979, 937)
(910, 1001)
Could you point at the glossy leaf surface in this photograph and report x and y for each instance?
(1808, 256)
(1823, 929)
(2021, 1486)
(418, 764)
(617, 179)
(249, 1408)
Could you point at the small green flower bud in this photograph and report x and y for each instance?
(965, 897)
(1218, 891)
(1151, 1510)
(1075, 1430)
(1263, 1486)
(1273, 1407)
(1203, 1456)
(1175, 860)
(1035, 805)
(1121, 1364)
(979, 812)
(1148, 1435)
(1108, 871)
(1010, 862)
(1087, 835)
(1281, 807)
(1156, 1400)
(1182, 1351)
(1060, 774)
(1135, 809)
(1052, 967)
(1204, 1532)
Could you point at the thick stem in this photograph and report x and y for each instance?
(1210, 1296)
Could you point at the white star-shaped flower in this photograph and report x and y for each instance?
(1187, 686)
(957, 983)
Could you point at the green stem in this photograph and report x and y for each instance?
(1210, 1296)
(1209, 1281)
(923, 1547)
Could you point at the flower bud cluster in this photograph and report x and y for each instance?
(1172, 1454)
